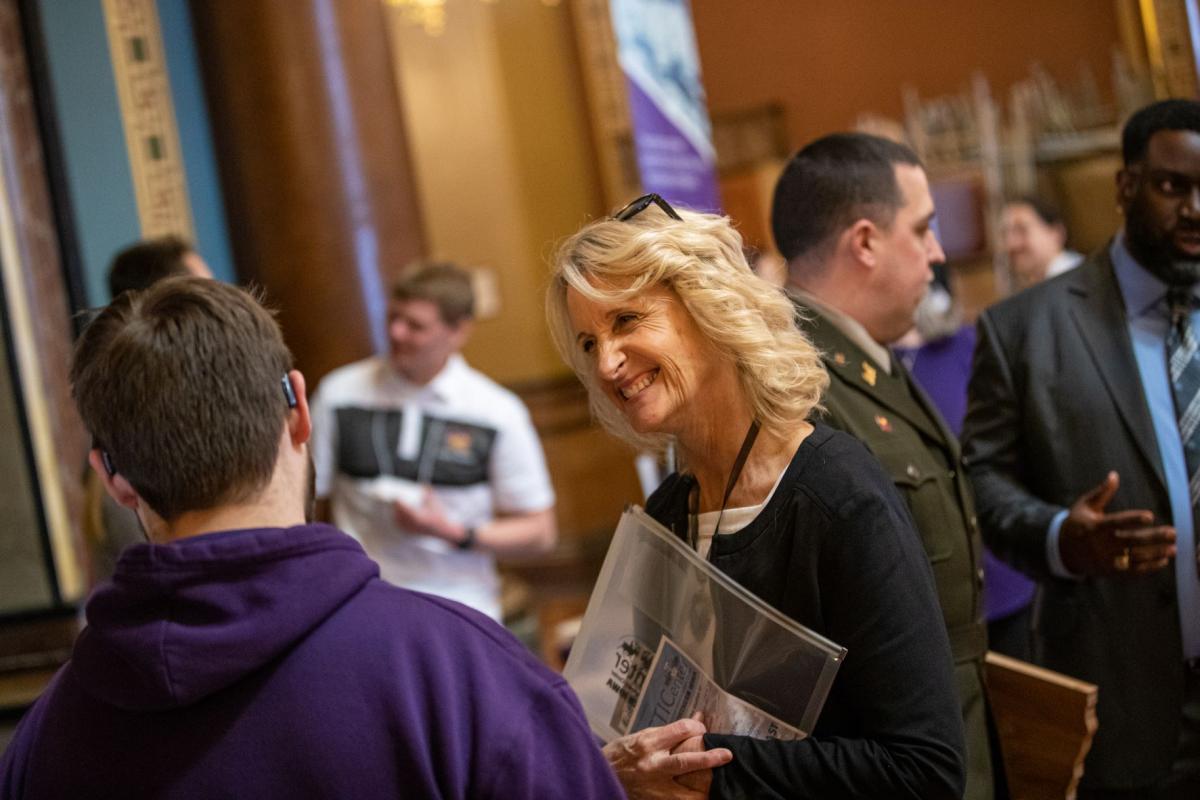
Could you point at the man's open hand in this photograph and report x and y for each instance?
(1092, 542)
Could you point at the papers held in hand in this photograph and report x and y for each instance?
(712, 646)
(676, 688)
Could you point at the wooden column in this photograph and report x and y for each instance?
(317, 186)
(38, 329)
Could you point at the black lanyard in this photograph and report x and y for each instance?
(734, 474)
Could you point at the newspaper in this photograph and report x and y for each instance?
(660, 614)
(676, 688)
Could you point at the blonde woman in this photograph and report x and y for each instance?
(677, 340)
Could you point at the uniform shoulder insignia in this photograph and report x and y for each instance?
(868, 373)
(839, 359)
(884, 423)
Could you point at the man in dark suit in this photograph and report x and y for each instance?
(852, 216)
(1082, 444)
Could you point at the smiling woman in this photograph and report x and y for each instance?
(649, 357)
(677, 340)
(650, 277)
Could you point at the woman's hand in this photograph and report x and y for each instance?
(648, 762)
(701, 780)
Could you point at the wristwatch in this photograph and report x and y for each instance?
(468, 540)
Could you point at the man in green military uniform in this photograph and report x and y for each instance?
(852, 215)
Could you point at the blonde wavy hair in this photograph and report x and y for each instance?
(700, 259)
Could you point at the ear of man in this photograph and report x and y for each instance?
(299, 421)
(462, 332)
(1126, 188)
(861, 240)
(115, 484)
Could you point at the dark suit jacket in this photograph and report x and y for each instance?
(1055, 402)
(892, 416)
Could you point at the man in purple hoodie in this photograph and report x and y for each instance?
(243, 652)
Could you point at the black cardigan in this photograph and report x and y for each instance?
(835, 549)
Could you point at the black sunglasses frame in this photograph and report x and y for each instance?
(641, 204)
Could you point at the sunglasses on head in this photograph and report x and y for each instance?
(641, 204)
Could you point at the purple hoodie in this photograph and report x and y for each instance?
(275, 663)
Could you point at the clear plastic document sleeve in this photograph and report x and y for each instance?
(667, 634)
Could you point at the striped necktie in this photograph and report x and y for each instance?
(1183, 356)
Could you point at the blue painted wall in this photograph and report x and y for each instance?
(97, 162)
(195, 137)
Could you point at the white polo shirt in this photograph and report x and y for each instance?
(378, 438)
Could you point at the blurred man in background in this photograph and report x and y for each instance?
(434, 467)
(1035, 240)
(143, 264)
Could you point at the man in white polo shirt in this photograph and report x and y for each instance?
(434, 467)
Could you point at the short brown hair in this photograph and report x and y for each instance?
(831, 183)
(181, 386)
(446, 285)
(144, 264)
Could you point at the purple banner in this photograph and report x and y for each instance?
(672, 134)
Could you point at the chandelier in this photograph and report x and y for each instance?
(430, 15)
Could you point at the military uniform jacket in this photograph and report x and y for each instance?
(898, 423)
